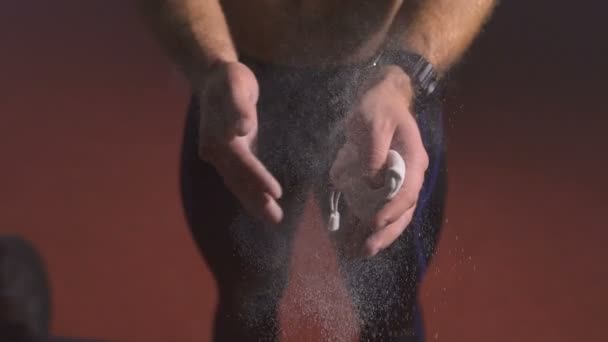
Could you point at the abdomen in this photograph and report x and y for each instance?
(310, 32)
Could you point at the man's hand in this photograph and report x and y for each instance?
(381, 121)
(227, 137)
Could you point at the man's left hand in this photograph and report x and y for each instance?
(382, 120)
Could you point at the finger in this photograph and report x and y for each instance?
(261, 205)
(372, 140)
(386, 236)
(271, 210)
(246, 167)
(405, 199)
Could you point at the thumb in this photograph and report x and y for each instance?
(244, 96)
(372, 145)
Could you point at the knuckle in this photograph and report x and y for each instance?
(427, 160)
(370, 104)
(367, 104)
(424, 159)
(380, 127)
(406, 112)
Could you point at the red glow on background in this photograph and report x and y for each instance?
(90, 124)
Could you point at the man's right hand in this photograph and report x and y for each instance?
(227, 138)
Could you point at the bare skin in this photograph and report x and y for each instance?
(203, 37)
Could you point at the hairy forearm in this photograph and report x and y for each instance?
(194, 33)
(442, 30)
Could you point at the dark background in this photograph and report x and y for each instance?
(90, 122)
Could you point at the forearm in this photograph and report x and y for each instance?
(442, 30)
(194, 33)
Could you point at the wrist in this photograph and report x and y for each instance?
(219, 60)
(229, 83)
(423, 75)
(208, 70)
(389, 75)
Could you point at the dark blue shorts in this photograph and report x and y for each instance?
(299, 114)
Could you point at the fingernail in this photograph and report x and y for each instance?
(273, 211)
(372, 247)
(280, 192)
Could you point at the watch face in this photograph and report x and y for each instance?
(432, 86)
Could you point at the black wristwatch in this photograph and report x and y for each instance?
(424, 76)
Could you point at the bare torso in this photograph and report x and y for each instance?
(310, 31)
